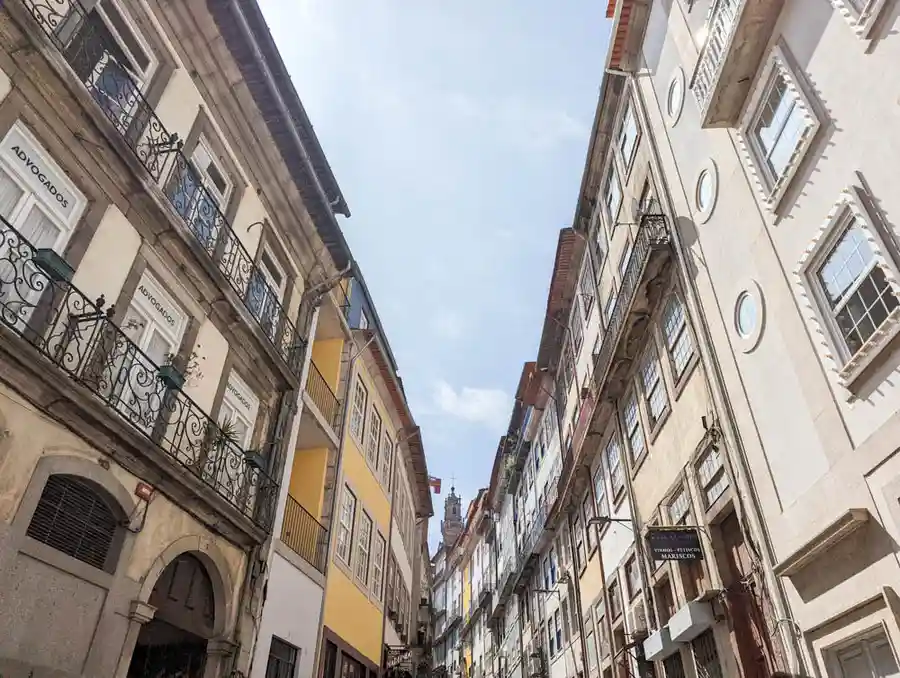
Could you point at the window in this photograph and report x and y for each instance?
(265, 292)
(282, 659)
(345, 525)
(632, 577)
(628, 136)
(553, 565)
(576, 325)
(238, 412)
(363, 320)
(778, 128)
(592, 650)
(117, 72)
(679, 507)
(358, 413)
(614, 464)
(600, 490)
(551, 636)
(578, 533)
(625, 258)
(568, 364)
(678, 339)
(612, 196)
(586, 285)
(587, 507)
(711, 476)
(703, 647)
(615, 599)
(654, 387)
(387, 452)
(854, 286)
(557, 630)
(378, 565)
(609, 305)
(633, 430)
(374, 438)
(868, 658)
(73, 517)
(567, 629)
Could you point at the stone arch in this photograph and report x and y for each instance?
(216, 567)
(68, 464)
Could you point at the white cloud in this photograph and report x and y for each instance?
(487, 406)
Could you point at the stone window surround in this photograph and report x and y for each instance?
(781, 61)
(862, 22)
(833, 351)
(120, 588)
(349, 568)
(629, 103)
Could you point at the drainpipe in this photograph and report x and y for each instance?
(718, 381)
(339, 466)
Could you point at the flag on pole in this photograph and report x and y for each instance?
(435, 484)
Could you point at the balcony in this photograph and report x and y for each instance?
(84, 44)
(320, 423)
(77, 337)
(304, 535)
(737, 32)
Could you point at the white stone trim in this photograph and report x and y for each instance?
(827, 336)
(862, 22)
(673, 117)
(778, 60)
(704, 213)
(750, 287)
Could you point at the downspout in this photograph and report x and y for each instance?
(718, 379)
(339, 466)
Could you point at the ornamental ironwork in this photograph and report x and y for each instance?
(78, 335)
(107, 73)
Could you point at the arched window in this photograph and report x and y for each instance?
(73, 516)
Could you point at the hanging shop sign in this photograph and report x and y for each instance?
(674, 543)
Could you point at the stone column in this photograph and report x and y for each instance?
(218, 653)
(140, 614)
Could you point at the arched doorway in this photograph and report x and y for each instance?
(173, 643)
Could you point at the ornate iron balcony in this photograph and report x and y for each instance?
(87, 46)
(304, 535)
(40, 305)
(653, 234)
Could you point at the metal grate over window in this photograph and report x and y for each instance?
(73, 517)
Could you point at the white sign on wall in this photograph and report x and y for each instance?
(156, 303)
(241, 397)
(25, 156)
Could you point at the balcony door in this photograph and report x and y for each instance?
(156, 325)
(237, 420)
(42, 205)
(111, 59)
(267, 287)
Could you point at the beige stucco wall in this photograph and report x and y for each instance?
(813, 452)
(109, 257)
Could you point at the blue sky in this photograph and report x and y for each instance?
(457, 130)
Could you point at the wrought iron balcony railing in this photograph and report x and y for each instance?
(304, 535)
(101, 66)
(653, 234)
(322, 395)
(79, 337)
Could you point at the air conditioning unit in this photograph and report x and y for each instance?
(637, 618)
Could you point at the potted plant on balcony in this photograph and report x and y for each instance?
(176, 371)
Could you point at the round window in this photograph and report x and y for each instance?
(675, 97)
(746, 315)
(704, 191)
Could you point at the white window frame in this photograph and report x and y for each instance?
(373, 438)
(204, 146)
(387, 453)
(615, 471)
(612, 215)
(779, 62)
(343, 548)
(632, 426)
(357, 413)
(650, 360)
(622, 137)
(142, 79)
(850, 205)
(712, 478)
(237, 410)
(679, 332)
(364, 531)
